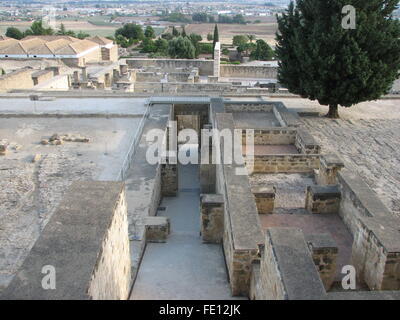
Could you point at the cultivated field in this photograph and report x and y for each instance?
(265, 30)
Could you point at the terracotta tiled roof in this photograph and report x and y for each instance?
(7, 42)
(77, 47)
(100, 40)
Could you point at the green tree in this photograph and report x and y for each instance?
(148, 46)
(181, 48)
(82, 35)
(262, 51)
(167, 36)
(37, 29)
(210, 37)
(149, 32)
(196, 39)
(183, 33)
(251, 37)
(215, 38)
(130, 31)
(64, 32)
(240, 40)
(175, 32)
(15, 33)
(162, 46)
(321, 60)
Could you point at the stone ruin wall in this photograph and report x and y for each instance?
(89, 249)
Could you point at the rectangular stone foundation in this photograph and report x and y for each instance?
(265, 199)
(323, 199)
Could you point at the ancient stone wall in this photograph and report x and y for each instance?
(248, 107)
(237, 71)
(305, 143)
(273, 136)
(376, 246)
(323, 199)
(86, 244)
(265, 199)
(20, 79)
(111, 277)
(324, 253)
(289, 163)
(242, 228)
(279, 277)
(329, 166)
(212, 218)
(206, 67)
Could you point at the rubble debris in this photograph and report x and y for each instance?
(36, 157)
(57, 139)
(3, 149)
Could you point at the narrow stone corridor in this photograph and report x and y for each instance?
(183, 267)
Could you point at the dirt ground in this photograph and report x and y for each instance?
(30, 191)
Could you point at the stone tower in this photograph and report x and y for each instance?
(217, 59)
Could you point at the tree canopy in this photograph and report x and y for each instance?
(15, 33)
(130, 31)
(181, 48)
(321, 60)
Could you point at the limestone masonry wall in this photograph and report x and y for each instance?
(20, 79)
(273, 136)
(324, 253)
(289, 163)
(206, 67)
(242, 228)
(86, 241)
(376, 246)
(237, 71)
(112, 273)
(287, 270)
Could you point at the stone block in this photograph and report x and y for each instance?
(157, 229)
(3, 149)
(265, 199)
(329, 167)
(324, 252)
(323, 199)
(212, 217)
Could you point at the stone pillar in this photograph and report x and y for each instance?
(330, 165)
(265, 199)
(84, 74)
(217, 60)
(169, 178)
(207, 168)
(212, 217)
(324, 252)
(323, 199)
(123, 69)
(76, 77)
(3, 149)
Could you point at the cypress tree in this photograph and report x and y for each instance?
(216, 37)
(321, 60)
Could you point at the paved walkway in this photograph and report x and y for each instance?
(184, 267)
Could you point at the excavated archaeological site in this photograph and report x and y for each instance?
(79, 194)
